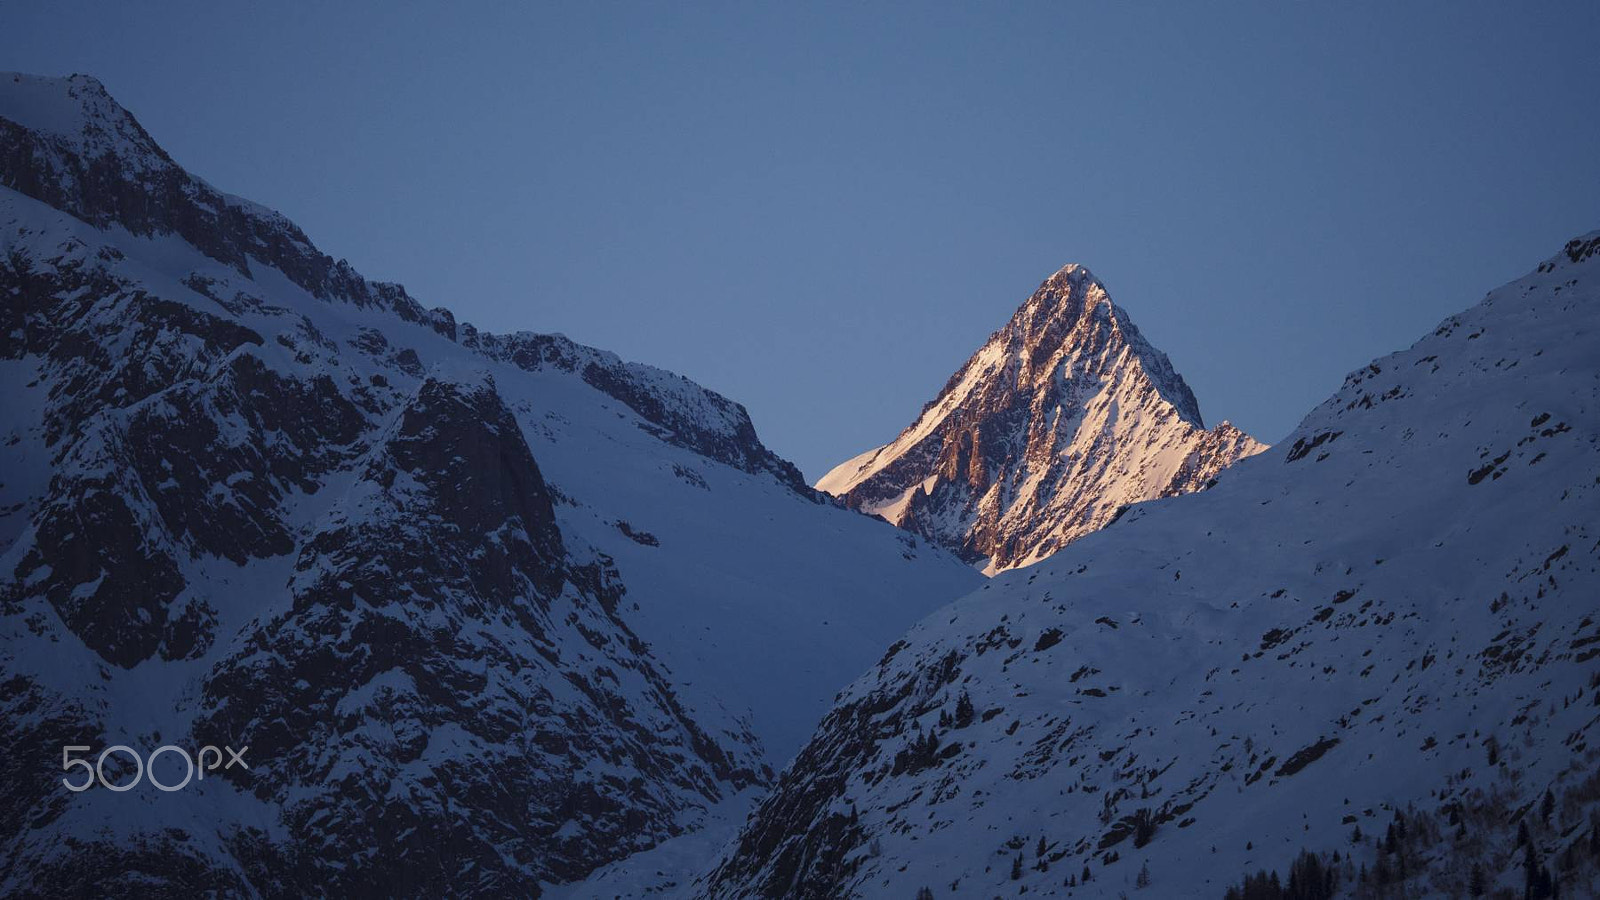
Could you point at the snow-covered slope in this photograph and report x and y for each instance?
(488, 610)
(1063, 417)
(1377, 642)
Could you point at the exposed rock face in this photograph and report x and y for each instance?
(67, 143)
(1063, 417)
(455, 591)
(492, 673)
(1377, 643)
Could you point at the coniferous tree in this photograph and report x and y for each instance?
(1309, 879)
(1144, 826)
(1536, 881)
(924, 893)
(1016, 867)
(964, 711)
(1260, 886)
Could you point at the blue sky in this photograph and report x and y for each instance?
(821, 209)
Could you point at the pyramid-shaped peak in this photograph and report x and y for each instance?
(1071, 287)
(1063, 302)
(1063, 416)
(1073, 280)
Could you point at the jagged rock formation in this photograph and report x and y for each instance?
(1380, 640)
(1065, 416)
(482, 607)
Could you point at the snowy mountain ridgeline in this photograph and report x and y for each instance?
(1366, 663)
(505, 614)
(1063, 418)
(485, 610)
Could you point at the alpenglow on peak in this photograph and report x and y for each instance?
(1063, 417)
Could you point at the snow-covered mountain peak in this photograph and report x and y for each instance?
(484, 608)
(1375, 645)
(74, 148)
(1072, 291)
(77, 108)
(1062, 417)
(1071, 314)
(1072, 273)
